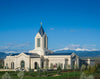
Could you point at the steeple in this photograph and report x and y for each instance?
(41, 31)
(41, 42)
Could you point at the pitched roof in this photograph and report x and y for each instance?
(32, 55)
(41, 31)
(14, 54)
(35, 55)
(59, 54)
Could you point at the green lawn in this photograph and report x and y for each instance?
(63, 75)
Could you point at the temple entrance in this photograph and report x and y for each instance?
(42, 64)
(73, 64)
(35, 65)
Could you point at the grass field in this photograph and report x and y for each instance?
(51, 75)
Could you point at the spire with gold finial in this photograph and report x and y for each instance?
(41, 31)
(41, 23)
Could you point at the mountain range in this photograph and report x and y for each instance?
(3, 55)
(79, 53)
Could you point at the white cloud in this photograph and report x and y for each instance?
(4, 47)
(61, 49)
(11, 52)
(15, 48)
(81, 49)
(21, 45)
(51, 28)
(72, 30)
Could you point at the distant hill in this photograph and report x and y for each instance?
(82, 53)
(79, 53)
(3, 55)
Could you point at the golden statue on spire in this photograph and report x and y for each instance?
(41, 23)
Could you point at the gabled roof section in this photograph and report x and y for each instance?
(59, 54)
(32, 55)
(14, 54)
(41, 31)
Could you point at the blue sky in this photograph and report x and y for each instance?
(66, 22)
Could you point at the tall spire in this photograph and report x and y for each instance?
(41, 31)
(41, 23)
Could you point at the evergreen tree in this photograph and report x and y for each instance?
(64, 66)
(58, 69)
(68, 66)
(88, 67)
(39, 71)
(51, 66)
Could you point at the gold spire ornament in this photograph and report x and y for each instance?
(41, 23)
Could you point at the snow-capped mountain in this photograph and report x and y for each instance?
(81, 51)
(77, 48)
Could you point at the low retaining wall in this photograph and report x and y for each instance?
(7, 70)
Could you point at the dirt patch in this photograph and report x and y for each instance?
(56, 75)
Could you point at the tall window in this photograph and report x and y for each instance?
(45, 42)
(12, 65)
(38, 42)
(6, 65)
(22, 64)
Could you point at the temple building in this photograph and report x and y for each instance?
(42, 57)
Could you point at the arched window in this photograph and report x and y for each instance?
(35, 65)
(22, 64)
(6, 65)
(12, 65)
(73, 64)
(42, 64)
(38, 42)
(45, 42)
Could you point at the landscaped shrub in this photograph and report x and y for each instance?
(90, 77)
(83, 67)
(51, 73)
(68, 66)
(20, 74)
(56, 64)
(46, 73)
(33, 74)
(61, 65)
(59, 69)
(64, 66)
(39, 71)
(89, 70)
(76, 66)
(29, 68)
(51, 66)
(1, 66)
(88, 67)
(6, 76)
(93, 69)
(46, 67)
(83, 76)
(98, 66)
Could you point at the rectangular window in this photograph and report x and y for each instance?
(44, 42)
(38, 42)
